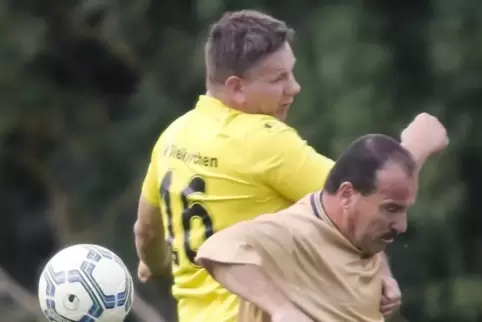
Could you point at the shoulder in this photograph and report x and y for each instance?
(178, 124)
(268, 126)
(300, 212)
(169, 133)
(267, 133)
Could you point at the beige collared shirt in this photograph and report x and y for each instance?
(308, 258)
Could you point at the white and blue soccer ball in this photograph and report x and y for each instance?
(85, 283)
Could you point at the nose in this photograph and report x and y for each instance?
(400, 224)
(294, 87)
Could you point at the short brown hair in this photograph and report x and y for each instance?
(239, 40)
(360, 163)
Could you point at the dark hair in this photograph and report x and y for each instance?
(362, 160)
(239, 40)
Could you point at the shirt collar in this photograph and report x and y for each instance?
(212, 105)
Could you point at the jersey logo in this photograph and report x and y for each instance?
(271, 126)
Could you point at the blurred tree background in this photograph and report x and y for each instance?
(87, 87)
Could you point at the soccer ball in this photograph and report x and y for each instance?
(85, 283)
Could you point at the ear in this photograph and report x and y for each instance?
(347, 194)
(234, 86)
(233, 83)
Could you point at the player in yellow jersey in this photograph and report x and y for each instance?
(230, 159)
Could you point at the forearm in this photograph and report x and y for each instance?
(419, 154)
(151, 248)
(250, 283)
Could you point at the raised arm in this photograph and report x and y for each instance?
(294, 169)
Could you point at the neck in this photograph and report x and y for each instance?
(332, 210)
(221, 96)
(335, 213)
(215, 94)
(343, 223)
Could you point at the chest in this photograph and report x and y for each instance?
(352, 283)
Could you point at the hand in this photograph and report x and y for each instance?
(391, 297)
(144, 274)
(425, 135)
(290, 315)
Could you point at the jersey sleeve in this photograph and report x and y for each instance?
(230, 246)
(249, 242)
(150, 186)
(288, 164)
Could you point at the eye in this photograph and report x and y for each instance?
(394, 208)
(280, 77)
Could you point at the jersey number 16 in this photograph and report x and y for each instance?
(196, 185)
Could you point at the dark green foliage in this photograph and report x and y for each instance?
(88, 86)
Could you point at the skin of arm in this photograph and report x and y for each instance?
(151, 247)
(419, 155)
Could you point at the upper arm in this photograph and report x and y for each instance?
(150, 186)
(148, 212)
(149, 220)
(293, 168)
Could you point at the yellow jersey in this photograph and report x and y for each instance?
(214, 167)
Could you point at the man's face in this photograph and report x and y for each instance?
(269, 87)
(376, 219)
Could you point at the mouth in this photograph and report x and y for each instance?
(388, 240)
(287, 103)
(389, 237)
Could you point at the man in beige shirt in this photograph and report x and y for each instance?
(321, 259)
